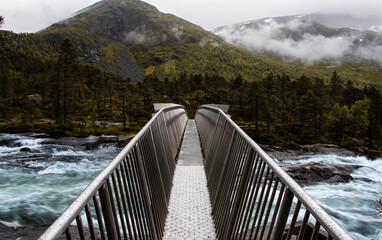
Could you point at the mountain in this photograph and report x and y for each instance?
(305, 38)
(132, 39)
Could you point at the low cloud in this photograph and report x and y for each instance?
(177, 31)
(142, 35)
(296, 40)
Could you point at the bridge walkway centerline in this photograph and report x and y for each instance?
(189, 212)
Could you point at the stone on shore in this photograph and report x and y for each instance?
(313, 173)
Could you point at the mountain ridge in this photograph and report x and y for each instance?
(287, 36)
(133, 39)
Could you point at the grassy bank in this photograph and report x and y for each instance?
(73, 129)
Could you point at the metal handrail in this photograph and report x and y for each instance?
(244, 181)
(133, 189)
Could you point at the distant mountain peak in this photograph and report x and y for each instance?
(305, 38)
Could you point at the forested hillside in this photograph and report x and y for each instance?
(94, 74)
(64, 96)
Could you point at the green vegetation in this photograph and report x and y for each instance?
(133, 39)
(83, 71)
(65, 97)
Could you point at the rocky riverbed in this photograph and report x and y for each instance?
(32, 165)
(311, 173)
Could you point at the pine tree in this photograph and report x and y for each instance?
(66, 63)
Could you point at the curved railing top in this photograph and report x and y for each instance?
(326, 220)
(67, 217)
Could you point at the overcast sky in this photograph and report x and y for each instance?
(34, 15)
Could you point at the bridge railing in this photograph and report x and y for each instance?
(130, 196)
(251, 196)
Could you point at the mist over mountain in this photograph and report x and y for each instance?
(304, 37)
(133, 39)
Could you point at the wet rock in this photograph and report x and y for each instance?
(108, 139)
(313, 173)
(124, 140)
(6, 142)
(87, 143)
(25, 149)
(283, 154)
(39, 135)
(322, 234)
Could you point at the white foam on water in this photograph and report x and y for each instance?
(350, 204)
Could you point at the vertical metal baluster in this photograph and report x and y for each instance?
(256, 188)
(80, 226)
(68, 234)
(119, 206)
(248, 199)
(276, 210)
(269, 208)
(294, 219)
(265, 202)
(260, 201)
(236, 166)
(158, 167)
(167, 163)
(147, 202)
(213, 135)
(301, 233)
(90, 222)
(315, 231)
(222, 202)
(133, 198)
(152, 190)
(245, 177)
(99, 217)
(113, 208)
(124, 201)
(108, 212)
(283, 215)
(235, 175)
(137, 188)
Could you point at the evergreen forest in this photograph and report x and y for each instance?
(62, 96)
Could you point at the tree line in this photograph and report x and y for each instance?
(275, 110)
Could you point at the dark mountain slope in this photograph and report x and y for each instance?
(133, 39)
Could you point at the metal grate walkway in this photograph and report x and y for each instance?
(189, 215)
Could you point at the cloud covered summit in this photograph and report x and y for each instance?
(296, 38)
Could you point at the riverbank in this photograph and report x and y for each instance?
(282, 154)
(72, 129)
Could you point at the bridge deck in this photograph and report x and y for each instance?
(189, 214)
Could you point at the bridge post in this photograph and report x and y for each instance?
(146, 195)
(224, 169)
(283, 215)
(108, 213)
(240, 193)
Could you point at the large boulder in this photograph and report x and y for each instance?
(313, 173)
(90, 142)
(282, 154)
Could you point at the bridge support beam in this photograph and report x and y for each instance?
(108, 213)
(283, 215)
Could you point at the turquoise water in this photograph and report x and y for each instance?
(37, 192)
(350, 204)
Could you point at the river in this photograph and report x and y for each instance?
(35, 192)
